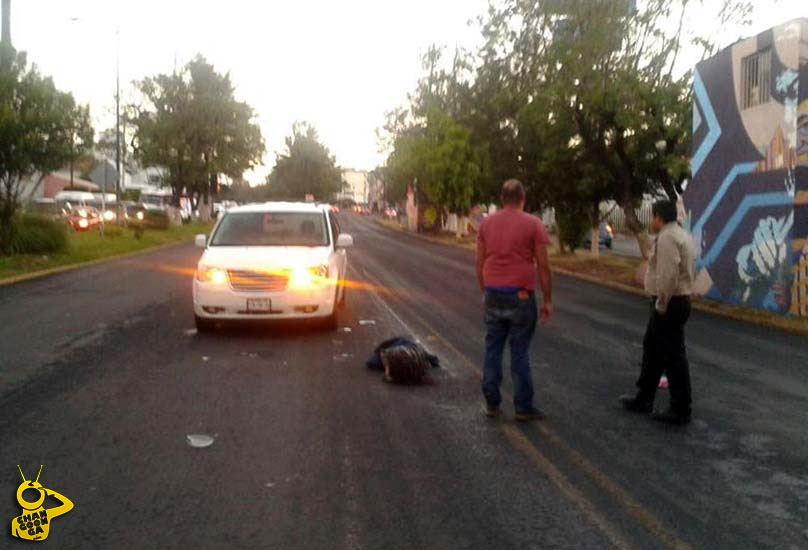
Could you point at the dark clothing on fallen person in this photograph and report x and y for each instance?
(402, 360)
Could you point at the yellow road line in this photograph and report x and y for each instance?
(522, 443)
(632, 507)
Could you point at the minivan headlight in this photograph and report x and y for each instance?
(307, 277)
(213, 275)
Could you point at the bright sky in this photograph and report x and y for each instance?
(339, 64)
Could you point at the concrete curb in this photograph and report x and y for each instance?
(698, 304)
(73, 267)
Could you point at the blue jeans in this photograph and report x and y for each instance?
(507, 317)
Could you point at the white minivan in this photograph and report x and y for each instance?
(275, 260)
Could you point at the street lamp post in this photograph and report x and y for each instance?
(6, 15)
(118, 178)
(118, 125)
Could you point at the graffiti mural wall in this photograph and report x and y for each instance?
(747, 203)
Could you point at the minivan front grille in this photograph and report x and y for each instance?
(257, 281)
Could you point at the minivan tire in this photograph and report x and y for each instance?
(204, 325)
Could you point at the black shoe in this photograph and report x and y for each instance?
(532, 413)
(491, 412)
(635, 404)
(670, 417)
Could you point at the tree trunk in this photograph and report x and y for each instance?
(633, 224)
(594, 247)
(205, 214)
(462, 226)
(205, 203)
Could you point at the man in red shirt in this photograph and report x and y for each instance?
(511, 245)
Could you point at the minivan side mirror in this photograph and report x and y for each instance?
(344, 241)
(201, 240)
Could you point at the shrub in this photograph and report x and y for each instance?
(573, 225)
(155, 219)
(113, 231)
(38, 235)
(430, 217)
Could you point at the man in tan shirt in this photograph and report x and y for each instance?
(669, 282)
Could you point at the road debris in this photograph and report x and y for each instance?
(346, 329)
(205, 358)
(199, 441)
(366, 322)
(190, 332)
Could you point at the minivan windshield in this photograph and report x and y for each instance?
(271, 229)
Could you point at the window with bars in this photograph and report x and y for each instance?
(756, 79)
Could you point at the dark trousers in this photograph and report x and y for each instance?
(511, 319)
(664, 352)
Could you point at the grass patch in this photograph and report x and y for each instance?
(469, 241)
(91, 245)
(617, 269)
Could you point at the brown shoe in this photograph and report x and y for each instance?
(491, 412)
(529, 415)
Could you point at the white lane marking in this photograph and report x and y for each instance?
(418, 338)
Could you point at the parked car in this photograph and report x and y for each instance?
(135, 212)
(271, 261)
(67, 200)
(83, 218)
(605, 234)
(106, 205)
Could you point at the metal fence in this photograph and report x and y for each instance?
(617, 218)
(611, 213)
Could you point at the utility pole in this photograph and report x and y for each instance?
(118, 125)
(6, 36)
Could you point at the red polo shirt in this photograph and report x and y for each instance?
(509, 238)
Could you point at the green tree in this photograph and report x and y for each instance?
(613, 74)
(307, 167)
(41, 130)
(191, 124)
(442, 158)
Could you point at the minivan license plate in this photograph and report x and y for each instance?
(259, 305)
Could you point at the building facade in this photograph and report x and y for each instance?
(356, 186)
(747, 203)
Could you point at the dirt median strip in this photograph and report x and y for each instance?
(760, 318)
(80, 265)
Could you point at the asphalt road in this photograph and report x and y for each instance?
(102, 378)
